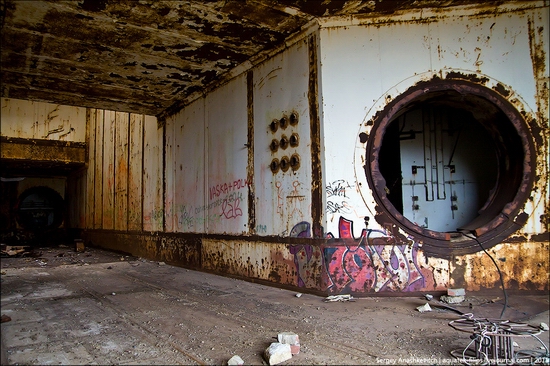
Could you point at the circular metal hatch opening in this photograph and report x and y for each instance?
(450, 163)
(40, 209)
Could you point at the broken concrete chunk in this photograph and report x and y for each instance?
(277, 353)
(452, 299)
(235, 360)
(288, 338)
(292, 339)
(456, 292)
(424, 308)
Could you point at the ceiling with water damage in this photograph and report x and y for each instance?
(150, 56)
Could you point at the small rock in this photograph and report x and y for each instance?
(235, 360)
(424, 308)
(543, 326)
(515, 344)
(162, 264)
(298, 295)
(114, 293)
(277, 353)
(428, 297)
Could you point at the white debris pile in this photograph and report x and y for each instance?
(346, 297)
(288, 345)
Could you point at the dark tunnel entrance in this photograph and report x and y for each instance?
(450, 162)
(40, 209)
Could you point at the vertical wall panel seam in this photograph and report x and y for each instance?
(128, 173)
(316, 174)
(164, 176)
(206, 164)
(102, 162)
(250, 143)
(114, 192)
(142, 168)
(93, 208)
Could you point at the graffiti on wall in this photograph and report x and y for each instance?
(230, 197)
(224, 202)
(303, 253)
(377, 261)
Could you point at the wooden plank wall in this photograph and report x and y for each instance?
(153, 209)
(135, 179)
(122, 188)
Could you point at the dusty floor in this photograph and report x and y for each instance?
(98, 307)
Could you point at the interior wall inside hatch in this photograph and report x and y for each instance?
(440, 166)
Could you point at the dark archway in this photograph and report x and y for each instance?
(40, 209)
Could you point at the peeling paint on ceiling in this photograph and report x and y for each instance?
(148, 56)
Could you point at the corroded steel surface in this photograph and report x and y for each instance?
(18, 156)
(151, 57)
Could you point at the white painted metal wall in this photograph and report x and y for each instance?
(281, 88)
(39, 120)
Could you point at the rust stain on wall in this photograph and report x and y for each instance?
(315, 133)
(250, 146)
(524, 267)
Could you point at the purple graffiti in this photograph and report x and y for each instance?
(302, 252)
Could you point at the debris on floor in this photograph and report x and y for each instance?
(79, 246)
(15, 250)
(235, 360)
(424, 308)
(429, 297)
(346, 297)
(277, 353)
(291, 339)
(287, 346)
(5, 318)
(456, 292)
(452, 299)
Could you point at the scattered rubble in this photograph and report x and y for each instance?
(5, 318)
(291, 339)
(277, 353)
(287, 346)
(79, 246)
(454, 296)
(424, 308)
(15, 250)
(235, 360)
(429, 297)
(452, 299)
(456, 292)
(332, 298)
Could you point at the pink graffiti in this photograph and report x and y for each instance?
(225, 188)
(231, 210)
(371, 264)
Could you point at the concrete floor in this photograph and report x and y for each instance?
(103, 308)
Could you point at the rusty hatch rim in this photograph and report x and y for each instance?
(512, 190)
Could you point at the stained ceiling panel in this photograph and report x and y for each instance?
(148, 56)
